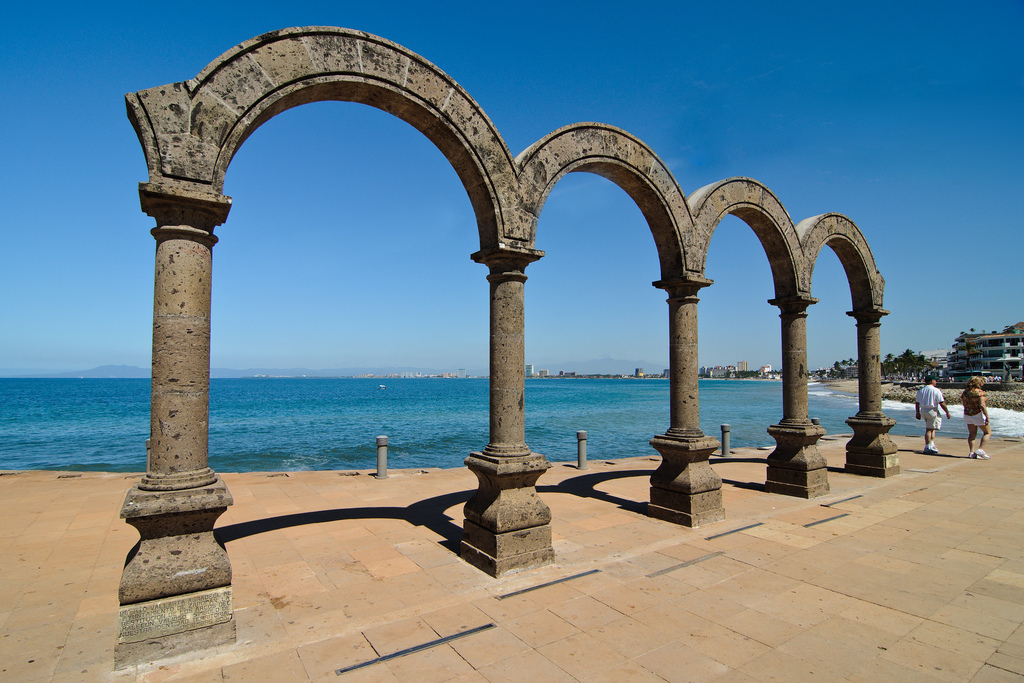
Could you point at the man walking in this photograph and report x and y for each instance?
(929, 399)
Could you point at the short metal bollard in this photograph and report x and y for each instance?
(581, 450)
(725, 440)
(382, 457)
(815, 420)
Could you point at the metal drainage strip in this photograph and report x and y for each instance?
(545, 585)
(415, 648)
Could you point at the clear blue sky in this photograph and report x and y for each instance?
(350, 236)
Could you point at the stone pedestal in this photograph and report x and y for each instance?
(795, 467)
(685, 489)
(508, 526)
(175, 589)
(871, 452)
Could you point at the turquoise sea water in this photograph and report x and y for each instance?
(293, 424)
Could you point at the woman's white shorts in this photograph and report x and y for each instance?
(977, 420)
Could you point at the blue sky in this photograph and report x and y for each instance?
(348, 243)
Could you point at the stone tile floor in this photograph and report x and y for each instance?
(918, 577)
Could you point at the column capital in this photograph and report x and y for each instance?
(868, 315)
(177, 206)
(505, 259)
(794, 305)
(682, 287)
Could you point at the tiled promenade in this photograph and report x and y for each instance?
(919, 577)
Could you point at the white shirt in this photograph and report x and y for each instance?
(929, 397)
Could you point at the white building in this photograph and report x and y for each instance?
(998, 353)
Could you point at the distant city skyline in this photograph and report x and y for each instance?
(349, 238)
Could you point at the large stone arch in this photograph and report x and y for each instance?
(760, 209)
(625, 160)
(191, 130)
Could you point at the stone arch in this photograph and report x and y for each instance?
(759, 208)
(191, 130)
(847, 241)
(621, 158)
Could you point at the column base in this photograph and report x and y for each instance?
(498, 554)
(507, 526)
(871, 452)
(177, 580)
(795, 467)
(685, 489)
(156, 629)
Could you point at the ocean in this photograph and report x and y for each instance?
(281, 424)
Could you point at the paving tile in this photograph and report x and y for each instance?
(780, 666)
(761, 627)
(955, 640)
(529, 666)
(540, 628)
(630, 637)
(437, 664)
(585, 612)
(977, 622)
(582, 655)
(487, 647)
(936, 662)
(280, 666)
(676, 662)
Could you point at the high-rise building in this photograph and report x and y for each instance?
(742, 366)
(529, 369)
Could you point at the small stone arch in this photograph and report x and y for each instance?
(871, 452)
(760, 209)
(847, 241)
(625, 160)
(190, 131)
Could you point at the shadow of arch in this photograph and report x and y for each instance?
(428, 513)
(585, 486)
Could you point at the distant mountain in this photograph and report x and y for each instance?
(103, 371)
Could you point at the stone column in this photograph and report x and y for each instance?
(175, 591)
(684, 489)
(795, 467)
(871, 452)
(508, 526)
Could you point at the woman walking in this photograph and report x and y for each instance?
(976, 415)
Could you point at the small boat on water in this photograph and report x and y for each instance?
(381, 386)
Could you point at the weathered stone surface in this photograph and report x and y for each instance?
(163, 617)
(177, 552)
(796, 467)
(181, 642)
